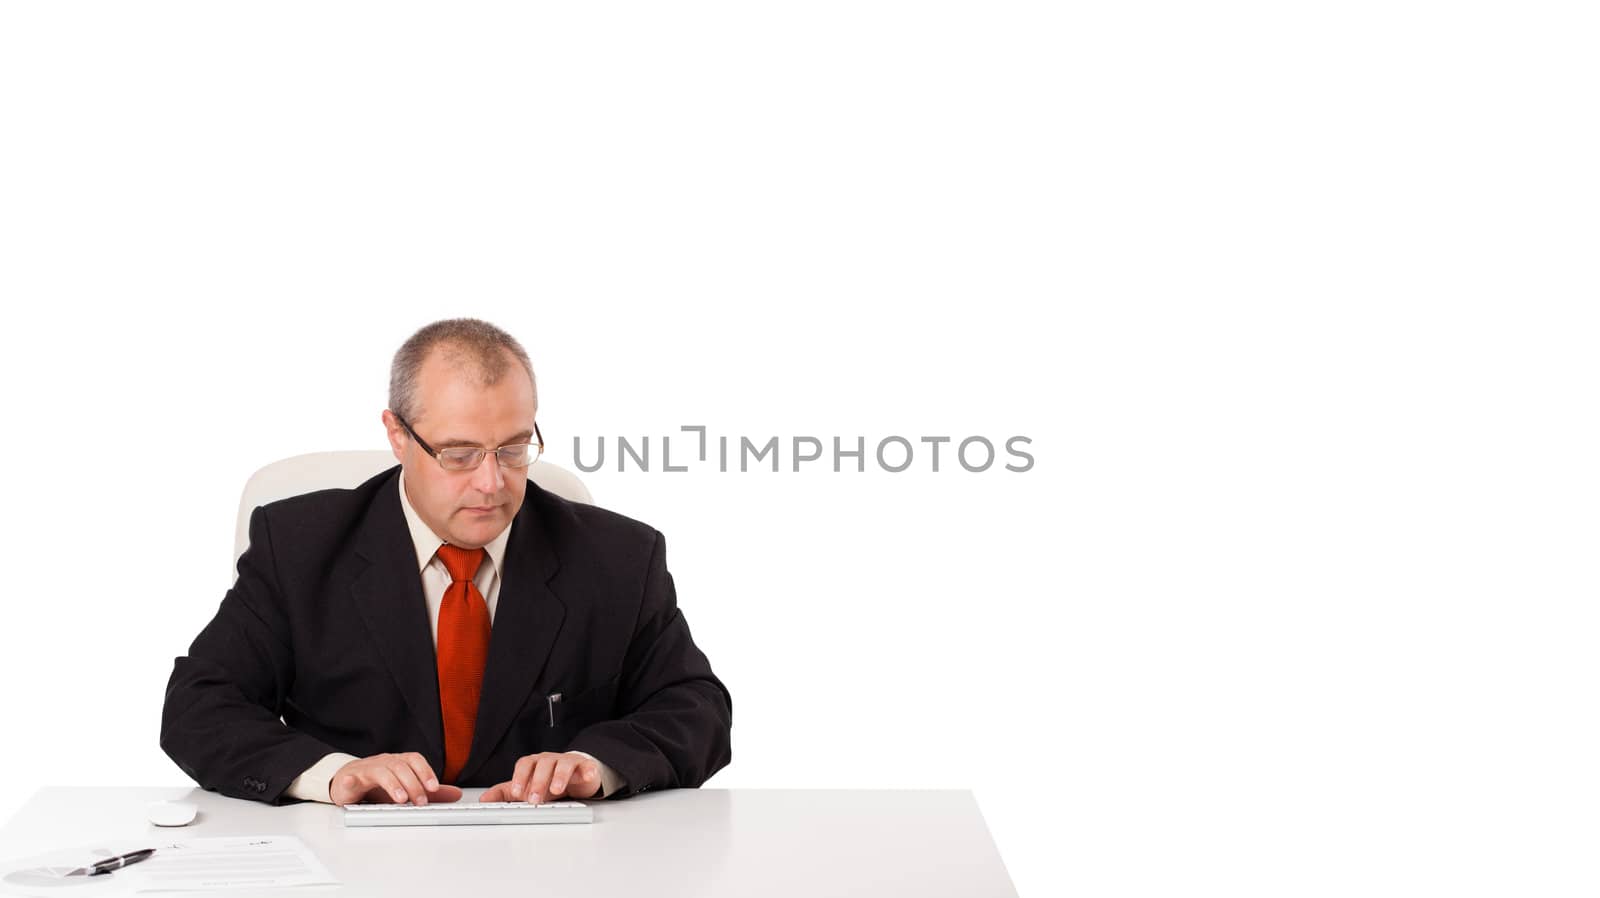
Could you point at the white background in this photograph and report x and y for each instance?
(1293, 300)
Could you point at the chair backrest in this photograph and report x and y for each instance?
(329, 470)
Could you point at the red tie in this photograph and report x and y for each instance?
(463, 649)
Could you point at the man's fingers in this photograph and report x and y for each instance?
(346, 789)
(539, 785)
(542, 777)
(353, 783)
(389, 777)
(563, 773)
(585, 780)
(445, 794)
(409, 783)
(383, 778)
(424, 773)
(575, 774)
(520, 775)
(392, 787)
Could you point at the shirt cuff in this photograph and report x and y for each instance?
(610, 781)
(312, 785)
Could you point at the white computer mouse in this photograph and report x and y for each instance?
(171, 813)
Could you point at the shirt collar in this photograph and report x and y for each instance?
(427, 542)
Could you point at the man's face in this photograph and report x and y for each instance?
(465, 508)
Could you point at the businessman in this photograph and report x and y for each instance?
(448, 623)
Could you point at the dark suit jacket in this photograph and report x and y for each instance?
(323, 644)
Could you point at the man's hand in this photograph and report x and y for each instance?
(389, 778)
(549, 775)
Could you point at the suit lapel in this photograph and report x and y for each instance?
(389, 595)
(527, 619)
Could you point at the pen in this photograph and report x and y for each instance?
(113, 863)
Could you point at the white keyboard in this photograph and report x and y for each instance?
(467, 813)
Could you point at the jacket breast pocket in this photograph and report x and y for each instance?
(591, 705)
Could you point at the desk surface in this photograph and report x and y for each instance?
(689, 842)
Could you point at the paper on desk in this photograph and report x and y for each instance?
(209, 864)
(230, 862)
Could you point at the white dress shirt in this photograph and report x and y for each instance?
(312, 785)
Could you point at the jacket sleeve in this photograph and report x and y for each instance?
(677, 717)
(221, 721)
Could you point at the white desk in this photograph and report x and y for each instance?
(704, 843)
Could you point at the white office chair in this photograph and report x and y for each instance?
(329, 470)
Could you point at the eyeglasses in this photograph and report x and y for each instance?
(466, 458)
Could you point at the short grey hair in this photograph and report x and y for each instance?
(469, 344)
